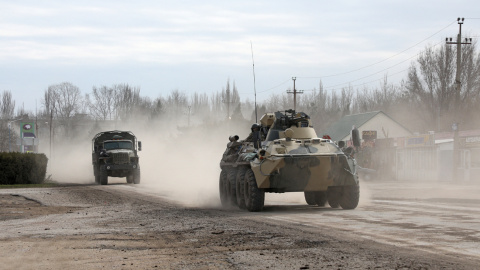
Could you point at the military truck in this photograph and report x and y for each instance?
(284, 154)
(115, 154)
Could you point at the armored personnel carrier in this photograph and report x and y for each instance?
(284, 154)
(115, 154)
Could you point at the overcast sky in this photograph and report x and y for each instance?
(196, 46)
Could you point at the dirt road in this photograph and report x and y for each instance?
(120, 226)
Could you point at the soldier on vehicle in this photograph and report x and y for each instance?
(256, 136)
(233, 147)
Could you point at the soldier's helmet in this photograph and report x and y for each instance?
(255, 126)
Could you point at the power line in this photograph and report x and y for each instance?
(364, 67)
(383, 70)
(369, 82)
(381, 61)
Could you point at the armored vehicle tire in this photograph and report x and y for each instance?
(232, 186)
(320, 198)
(350, 197)
(103, 176)
(310, 197)
(333, 196)
(316, 197)
(136, 176)
(240, 186)
(222, 184)
(254, 197)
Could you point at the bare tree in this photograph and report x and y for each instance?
(7, 107)
(346, 100)
(127, 101)
(157, 109)
(177, 103)
(432, 84)
(68, 100)
(470, 92)
(64, 101)
(102, 104)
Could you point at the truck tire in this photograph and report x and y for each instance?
(96, 174)
(350, 197)
(232, 186)
(310, 197)
(136, 176)
(103, 175)
(254, 197)
(240, 186)
(130, 178)
(222, 186)
(333, 196)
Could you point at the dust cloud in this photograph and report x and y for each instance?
(184, 165)
(181, 163)
(70, 162)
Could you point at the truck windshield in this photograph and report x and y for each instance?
(118, 145)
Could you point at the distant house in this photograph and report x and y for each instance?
(377, 124)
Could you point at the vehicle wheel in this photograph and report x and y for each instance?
(95, 173)
(350, 197)
(320, 198)
(103, 176)
(130, 178)
(333, 196)
(240, 186)
(232, 186)
(254, 197)
(136, 176)
(310, 197)
(222, 183)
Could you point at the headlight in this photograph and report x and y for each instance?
(108, 167)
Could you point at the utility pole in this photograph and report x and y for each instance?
(294, 92)
(456, 152)
(51, 125)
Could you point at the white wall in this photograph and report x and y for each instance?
(392, 129)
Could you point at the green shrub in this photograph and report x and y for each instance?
(22, 168)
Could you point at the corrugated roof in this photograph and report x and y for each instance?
(343, 127)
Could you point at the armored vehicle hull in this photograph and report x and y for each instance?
(290, 159)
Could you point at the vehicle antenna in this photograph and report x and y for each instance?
(254, 88)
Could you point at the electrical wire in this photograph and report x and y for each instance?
(269, 89)
(381, 61)
(367, 66)
(381, 71)
(275, 86)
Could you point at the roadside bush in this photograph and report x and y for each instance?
(22, 168)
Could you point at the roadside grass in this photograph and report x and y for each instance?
(49, 182)
(43, 185)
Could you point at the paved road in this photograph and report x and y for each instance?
(442, 218)
(437, 217)
(396, 226)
